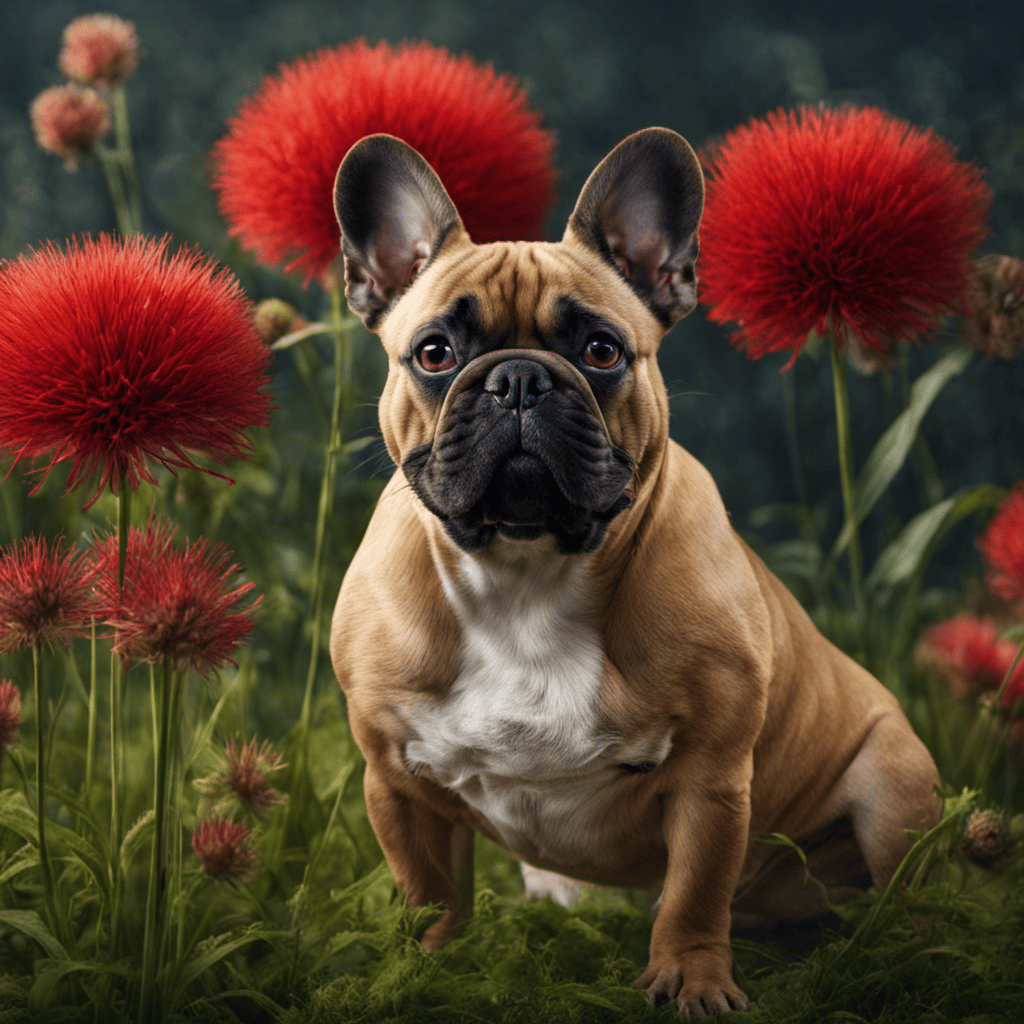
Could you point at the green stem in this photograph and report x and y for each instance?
(126, 159)
(150, 1007)
(988, 750)
(90, 740)
(111, 165)
(46, 870)
(845, 439)
(342, 373)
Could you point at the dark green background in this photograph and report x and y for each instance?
(598, 70)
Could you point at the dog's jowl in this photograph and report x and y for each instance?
(550, 632)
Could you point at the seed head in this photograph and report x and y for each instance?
(985, 838)
(243, 775)
(225, 848)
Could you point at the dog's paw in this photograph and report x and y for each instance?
(698, 995)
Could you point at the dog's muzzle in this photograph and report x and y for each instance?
(521, 447)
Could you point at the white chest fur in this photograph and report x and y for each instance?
(518, 736)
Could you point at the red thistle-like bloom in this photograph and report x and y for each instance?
(45, 594)
(225, 848)
(969, 654)
(1002, 545)
(176, 605)
(10, 713)
(115, 352)
(275, 169)
(99, 49)
(245, 776)
(68, 121)
(839, 221)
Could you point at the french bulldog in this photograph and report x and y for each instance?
(550, 633)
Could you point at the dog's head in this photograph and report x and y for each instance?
(523, 394)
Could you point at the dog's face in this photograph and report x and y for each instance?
(523, 396)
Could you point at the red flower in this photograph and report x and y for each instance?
(99, 49)
(177, 605)
(68, 121)
(225, 849)
(45, 595)
(245, 775)
(275, 169)
(829, 219)
(10, 713)
(1002, 545)
(968, 652)
(114, 352)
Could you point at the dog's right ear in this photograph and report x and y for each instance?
(394, 215)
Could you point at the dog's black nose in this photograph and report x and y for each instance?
(518, 383)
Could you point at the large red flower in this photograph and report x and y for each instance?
(969, 654)
(176, 605)
(1002, 545)
(828, 219)
(115, 352)
(45, 594)
(275, 169)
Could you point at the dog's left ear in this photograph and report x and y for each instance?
(640, 210)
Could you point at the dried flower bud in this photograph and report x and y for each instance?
(869, 361)
(994, 324)
(243, 776)
(10, 713)
(99, 49)
(985, 838)
(225, 849)
(68, 121)
(274, 318)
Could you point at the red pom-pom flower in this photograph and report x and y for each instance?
(176, 605)
(969, 654)
(275, 169)
(1002, 545)
(115, 352)
(836, 219)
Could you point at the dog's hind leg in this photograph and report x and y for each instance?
(888, 789)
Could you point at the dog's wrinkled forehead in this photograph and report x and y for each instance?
(519, 295)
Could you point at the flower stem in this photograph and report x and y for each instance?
(845, 440)
(792, 435)
(342, 373)
(126, 158)
(90, 739)
(150, 1008)
(46, 870)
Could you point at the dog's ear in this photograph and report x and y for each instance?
(394, 215)
(640, 210)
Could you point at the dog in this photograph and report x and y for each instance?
(550, 632)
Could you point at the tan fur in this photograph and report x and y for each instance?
(772, 728)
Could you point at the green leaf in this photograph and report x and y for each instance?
(21, 861)
(44, 988)
(264, 1002)
(1014, 633)
(909, 552)
(225, 946)
(202, 738)
(15, 815)
(895, 444)
(29, 923)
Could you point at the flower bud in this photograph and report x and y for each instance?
(994, 323)
(274, 318)
(99, 49)
(985, 838)
(68, 121)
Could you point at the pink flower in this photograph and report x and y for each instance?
(45, 595)
(225, 848)
(99, 49)
(68, 121)
(245, 775)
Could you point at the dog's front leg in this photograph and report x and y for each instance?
(431, 858)
(706, 824)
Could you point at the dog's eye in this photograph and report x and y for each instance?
(602, 351)
(435, 354)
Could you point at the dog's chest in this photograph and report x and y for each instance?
(519, 736)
